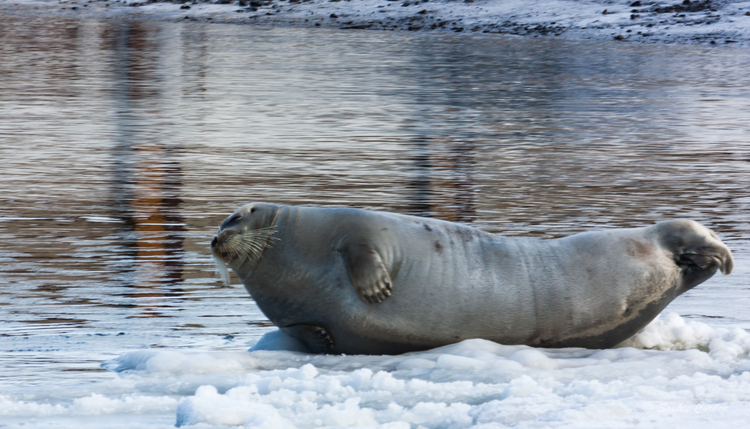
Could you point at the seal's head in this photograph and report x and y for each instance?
(243, 236)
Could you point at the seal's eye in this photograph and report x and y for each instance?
(252, 210)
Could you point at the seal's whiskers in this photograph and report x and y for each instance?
(248, 245)
(252, 243)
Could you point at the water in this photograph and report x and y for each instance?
(125, 144)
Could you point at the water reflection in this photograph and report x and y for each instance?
(146, 191)
(442, 182)
(419, 203)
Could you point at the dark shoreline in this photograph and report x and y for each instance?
(660, 25)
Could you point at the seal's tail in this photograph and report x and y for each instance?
(708, 249)
(696, 249)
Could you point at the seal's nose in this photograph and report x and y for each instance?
(214, 241)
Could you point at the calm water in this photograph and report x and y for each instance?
(124, 145)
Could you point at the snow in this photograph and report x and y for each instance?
(675, 372)
(706, 22)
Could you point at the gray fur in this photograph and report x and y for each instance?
(450, 282)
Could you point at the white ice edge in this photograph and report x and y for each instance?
(692, 374)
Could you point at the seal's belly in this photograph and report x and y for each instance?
(511, 292)
(450, 283)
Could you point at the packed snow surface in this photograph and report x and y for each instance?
(675, 21)
(676, 372)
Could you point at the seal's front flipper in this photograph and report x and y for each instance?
(368, 273)
(317, 339)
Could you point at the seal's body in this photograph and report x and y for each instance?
(358, 281)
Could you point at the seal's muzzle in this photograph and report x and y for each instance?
(241, 239)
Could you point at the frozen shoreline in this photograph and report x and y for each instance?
(676, 372)
(696, 22)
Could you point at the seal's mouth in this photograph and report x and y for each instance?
(232, 246)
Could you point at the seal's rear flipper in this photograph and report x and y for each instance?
(317, 339)
(368, 273)
(697, 250)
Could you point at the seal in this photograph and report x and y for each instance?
(355, 281)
